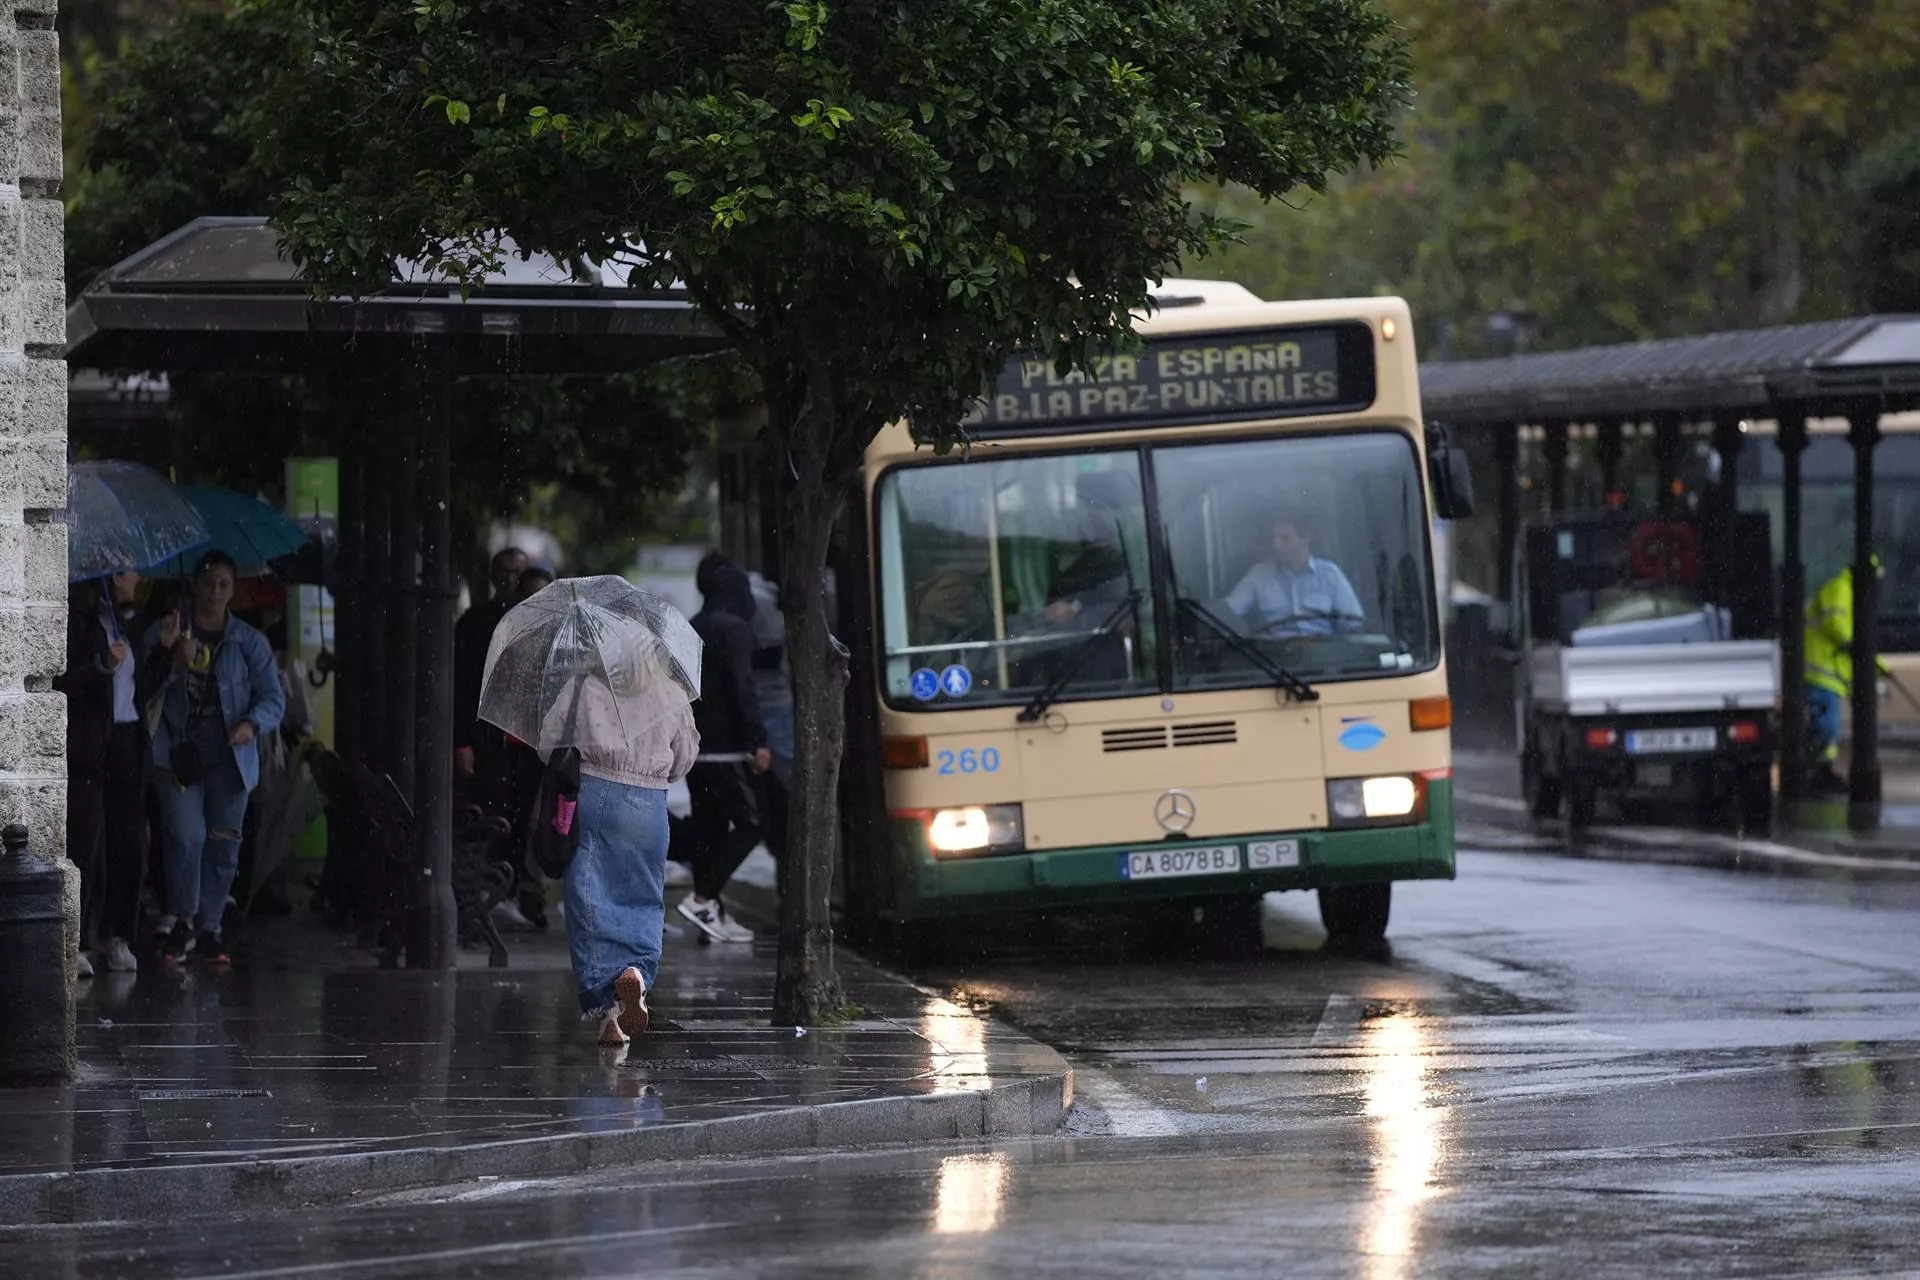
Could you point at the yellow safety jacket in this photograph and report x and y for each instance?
(1830, 635)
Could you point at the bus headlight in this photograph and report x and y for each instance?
(1357, 801)
(992, 828)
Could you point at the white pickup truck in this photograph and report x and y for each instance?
(1642, 690)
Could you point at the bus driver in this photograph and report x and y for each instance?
(1295, 593)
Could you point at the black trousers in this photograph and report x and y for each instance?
(725, 825)
(107, 836)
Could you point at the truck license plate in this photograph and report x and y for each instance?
(1218, 860)
(1642, 742)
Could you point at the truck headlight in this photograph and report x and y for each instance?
(992, 828)
(1358, 801)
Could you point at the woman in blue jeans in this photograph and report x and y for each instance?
(222, 693)
(616, 883)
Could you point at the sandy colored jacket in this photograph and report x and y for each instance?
(654, 756)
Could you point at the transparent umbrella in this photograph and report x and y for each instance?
(588, 662)
(121, 515)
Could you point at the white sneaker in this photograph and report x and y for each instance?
(628, 1016)
(679, 875)
(120, 957)
(507, 915)
(705, 917)
(82, 967)
(711, 918)
(733, 929)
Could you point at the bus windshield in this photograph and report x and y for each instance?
(1304, 554)
(1312, 547)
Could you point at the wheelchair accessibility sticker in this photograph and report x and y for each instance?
(924, 684)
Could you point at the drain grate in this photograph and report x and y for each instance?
(742, 1062)
(199, 1095)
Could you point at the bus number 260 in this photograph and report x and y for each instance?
(969, 761)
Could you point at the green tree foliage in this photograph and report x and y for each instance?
(1621, 169)
(166, 132)
(878, 201)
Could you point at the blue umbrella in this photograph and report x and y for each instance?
(249, 530)
(121, 515)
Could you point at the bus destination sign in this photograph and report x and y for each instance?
(1251, 373)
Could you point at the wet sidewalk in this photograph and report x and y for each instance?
(306, 1074)
(1814, 838)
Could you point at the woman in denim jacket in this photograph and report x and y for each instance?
(221, 694)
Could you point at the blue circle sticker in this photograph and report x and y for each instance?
(956, 681)
(925, 684)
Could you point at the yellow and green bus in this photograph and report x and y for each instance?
(1166, 631)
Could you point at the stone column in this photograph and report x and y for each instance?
(33, 436)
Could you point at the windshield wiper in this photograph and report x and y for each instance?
(1297, 689)
(1048, 695)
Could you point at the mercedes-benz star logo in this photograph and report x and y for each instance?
(1175, 811)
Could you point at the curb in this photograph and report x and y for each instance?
(1029, 1107)
(1672, 846)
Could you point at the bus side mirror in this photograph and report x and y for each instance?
(1451, 477)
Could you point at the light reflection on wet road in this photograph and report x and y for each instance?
(1571, 1067)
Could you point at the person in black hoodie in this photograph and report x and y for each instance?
(106, 767)
(726, 822)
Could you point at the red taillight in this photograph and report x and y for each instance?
(1601, 738)
(1745, 731)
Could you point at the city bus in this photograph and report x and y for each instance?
(1165, 630)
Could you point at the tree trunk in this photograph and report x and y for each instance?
(806, 987)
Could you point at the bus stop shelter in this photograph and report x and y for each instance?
(218, 296)
(1857, 369)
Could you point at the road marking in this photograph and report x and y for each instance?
(1339, 1022)
(1128, 1114)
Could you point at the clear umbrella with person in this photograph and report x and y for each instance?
(599, 676)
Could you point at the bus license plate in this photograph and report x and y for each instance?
(1642, 742)
(1219, 860)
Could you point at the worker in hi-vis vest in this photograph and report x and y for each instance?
(1829, 672)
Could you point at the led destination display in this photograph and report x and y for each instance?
(1248, 374)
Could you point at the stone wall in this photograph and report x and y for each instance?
(33, 427)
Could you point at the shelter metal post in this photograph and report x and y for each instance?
(1506, 471)
(403, 550)
(1793, 595)
(349, 568)
(376, 708)
(436, 935)
(1556, 452)
(1863, 776)
(1609, 447)
(1666, 452)
(1724, 501)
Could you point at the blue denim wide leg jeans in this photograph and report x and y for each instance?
(616, 886)
(202, 840)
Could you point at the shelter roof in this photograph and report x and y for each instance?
(218, 294)
(1746, 372)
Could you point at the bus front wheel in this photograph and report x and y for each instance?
(1355, 915)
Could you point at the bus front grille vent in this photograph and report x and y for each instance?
(1211, 733)
(1150, 737)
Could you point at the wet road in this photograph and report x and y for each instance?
(1568, 1067)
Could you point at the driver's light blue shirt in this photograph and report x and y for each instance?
(1315, 601)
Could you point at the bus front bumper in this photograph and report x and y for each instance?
(1062, 879)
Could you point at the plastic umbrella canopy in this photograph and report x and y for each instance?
(588, 662)
(251, 531)
(121, 515)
